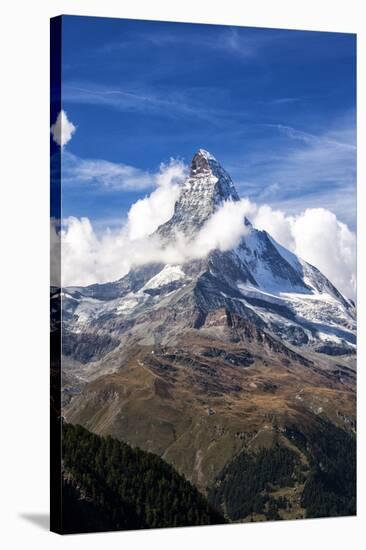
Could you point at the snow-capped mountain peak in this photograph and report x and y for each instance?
(207, 187)
(259, 280)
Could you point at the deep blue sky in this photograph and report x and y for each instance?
(276, 107)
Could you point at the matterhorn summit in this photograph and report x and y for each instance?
(259, 280)
(204, 191)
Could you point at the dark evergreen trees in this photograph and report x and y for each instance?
(330, 489)
(238, 488)
(109, 485)
(243, 488)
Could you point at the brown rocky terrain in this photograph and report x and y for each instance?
(219, 389)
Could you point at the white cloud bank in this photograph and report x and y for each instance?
(316, 235)
(88, 257)
(63, 129)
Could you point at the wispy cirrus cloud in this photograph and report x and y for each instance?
(303, 170)
(103, 173)
(113, 97)
(282, 100)
(113, 176)
(168, 105)
(187, 106)
(242, 42)
(312, 139)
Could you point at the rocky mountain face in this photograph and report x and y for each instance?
(206, 188)
(201, 360)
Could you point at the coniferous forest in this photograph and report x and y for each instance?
(108, 485)
(328, 477)
(240, 489)
(330, 489)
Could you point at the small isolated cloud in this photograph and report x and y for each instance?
(63, 129)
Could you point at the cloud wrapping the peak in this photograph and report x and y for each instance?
(148, 213)
(316, 235)
(63, 129)
(225, 228)
(88, 258)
